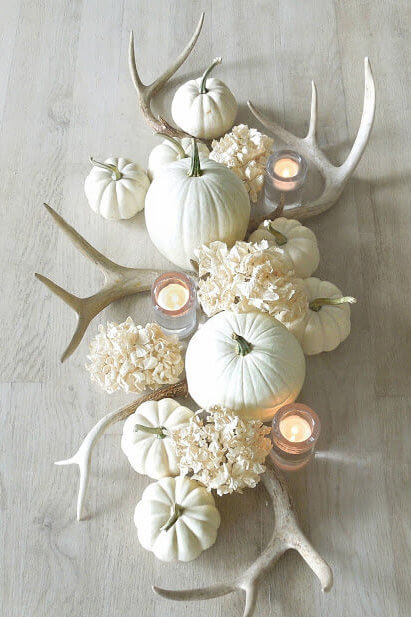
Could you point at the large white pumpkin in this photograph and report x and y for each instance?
(297, 242)
(327, 323)
(248, 362)
(205, 107)
(171, 150)
(176, 519)
(146, 441)
(188, 206)
(116, 189)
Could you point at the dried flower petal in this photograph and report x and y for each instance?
(132, 358)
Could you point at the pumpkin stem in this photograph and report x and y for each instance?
(243, 346)
(159, 431)
(195, 170)
(280, 239)
(176, 143)
(315, 305)
(175, 513)
(204, 76)
(117, 175)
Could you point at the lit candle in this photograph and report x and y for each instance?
(295, 428)
(173, 297)
(284, 170)
(174, 302)
(294, 433)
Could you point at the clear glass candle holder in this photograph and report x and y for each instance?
(295, 431)
(286, 171)
(174, 303)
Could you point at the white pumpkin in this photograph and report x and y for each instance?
(116, 189)
(171, 150)
(205, 107)
(297, 242)
(176, 519)
(188, 206)
(327, 323)
(247, 362)
(145, 439)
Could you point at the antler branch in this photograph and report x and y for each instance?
(146, 92)
(335, 177)
(120, 282)
(82, 458)
(287, 535)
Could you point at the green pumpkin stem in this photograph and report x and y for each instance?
(176, 143)
(117, 175)
(195, 169)
(176, 512)
(159, 431)
(206, 73)
(315, 305)
(280, 239)
(243, 346)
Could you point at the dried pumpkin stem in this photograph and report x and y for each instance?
(195, 170)
(176, 512)
(243, 346)
(182, 153)
(159, 431)
(315, 305)
(203, 89)
(117, 175)
(280, 239)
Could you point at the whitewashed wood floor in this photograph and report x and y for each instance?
(65, 93)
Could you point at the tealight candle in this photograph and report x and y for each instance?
(294, 433)
(286, 171)
(174, 301)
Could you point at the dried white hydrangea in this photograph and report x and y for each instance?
(132, 358)
(245, 151)
(248, 277)
(224, 452)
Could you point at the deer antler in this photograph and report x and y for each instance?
(146, 93)
(82, 458)
(119, 283)
(287, 535)
(335, 178)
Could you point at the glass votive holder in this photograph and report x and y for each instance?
(286, 171)
(294, 433)
(175, 306)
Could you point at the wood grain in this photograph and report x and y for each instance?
(65, 93)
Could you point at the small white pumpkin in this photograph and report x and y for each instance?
(145, 439)
(176, 519)
(247, 362)
(171, 150)
(205, 107)
(116, 189)
(296, 241)
(189, 205)
(327, 323)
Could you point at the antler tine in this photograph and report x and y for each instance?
(366, 124)
(287, 535)
(82, 458)
(146, 92)
(312, 129)
(275, 128)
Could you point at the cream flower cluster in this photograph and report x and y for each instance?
(224, 452)
(249, 277)
(132, 358)
(245, 152)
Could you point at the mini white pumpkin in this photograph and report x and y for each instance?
(247, 362)
(189, 205)
(176, 519)
(171, 150)
(145, 439)
(327, 323)
(116, 189)
(298, 243)
(205, 107)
